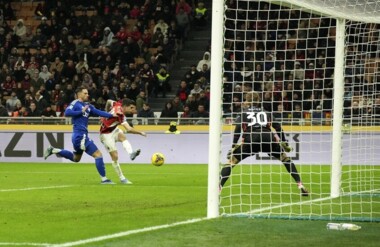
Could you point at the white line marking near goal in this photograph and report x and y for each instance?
(37, 188)
(259, 210)
(25, 244)
(288, 204)
(126, 233)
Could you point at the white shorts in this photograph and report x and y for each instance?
(109, 140)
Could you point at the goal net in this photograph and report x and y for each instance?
(316, 66)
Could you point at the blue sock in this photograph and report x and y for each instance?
(100, 166)
(66, 154)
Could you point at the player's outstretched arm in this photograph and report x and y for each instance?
(70, 112)
(99, 113)
(130, 129)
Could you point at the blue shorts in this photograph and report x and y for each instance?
(82, 143)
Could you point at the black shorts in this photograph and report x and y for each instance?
(258, 142)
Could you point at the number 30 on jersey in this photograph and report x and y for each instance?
(260, 118)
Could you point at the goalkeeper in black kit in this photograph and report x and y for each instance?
(254, 127)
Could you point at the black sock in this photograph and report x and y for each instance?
(225, 174)
(292, 170)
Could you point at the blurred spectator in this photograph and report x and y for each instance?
(49, 112)
(200, 15)
(45, 73)
(200, 113)
(298, 72)
(8, 85)
(3, 112)
(177, 104)
(57, 65)
(196, 90)
(40, 11)
(8, 11)
(157, 38)
(133, 91)
(145, 112)
(140, 100)
(182, 4)
(192, 103)
(12, 102)
(162, 26)
(183, 92)
(147, 77)
(20, 29)
(204, 100)
(40, 101)
(33, 111)
(205, 60)
(162, 83)
(107, 38)
(183, 22)
(21, 111)
(169, 112)
(186, 112)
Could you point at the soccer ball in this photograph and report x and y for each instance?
(158, 159)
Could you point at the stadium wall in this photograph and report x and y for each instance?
(26, 143)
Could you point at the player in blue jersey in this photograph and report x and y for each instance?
(80, 110)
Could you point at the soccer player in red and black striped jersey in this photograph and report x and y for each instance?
(110, 133)
(254, 127)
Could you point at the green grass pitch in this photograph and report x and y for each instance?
(45, 204)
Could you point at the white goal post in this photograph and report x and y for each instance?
(315, 64)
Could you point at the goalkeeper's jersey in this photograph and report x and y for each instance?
(109, 124)
(255, 119)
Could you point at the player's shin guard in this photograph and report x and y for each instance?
(66, 154)
(100, 166)
(225, 174)
(291, 168)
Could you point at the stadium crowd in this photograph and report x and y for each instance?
(116, 49)
(288, 56)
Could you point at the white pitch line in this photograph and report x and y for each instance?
(37, 188)
(303, 202)
(25, 244)
(288, 204)
(126, 233)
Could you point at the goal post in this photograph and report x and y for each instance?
(316, 66)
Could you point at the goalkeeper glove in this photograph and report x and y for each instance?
(230, 152)
(286, 147)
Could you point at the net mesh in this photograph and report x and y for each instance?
(286, 52)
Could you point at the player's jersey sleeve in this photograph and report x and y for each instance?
(74, 109)
(99, 113)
